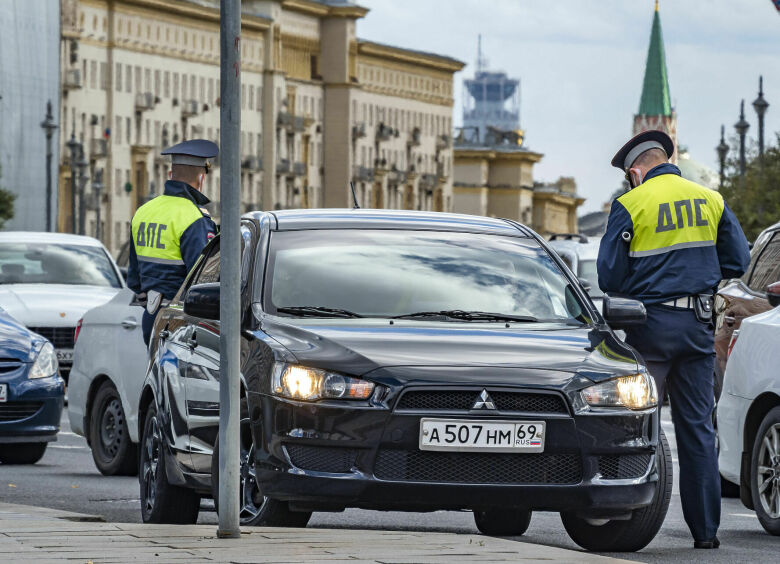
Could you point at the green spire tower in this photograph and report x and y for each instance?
(655, 105)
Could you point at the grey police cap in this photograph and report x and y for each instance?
(645, 141)
(195, 152)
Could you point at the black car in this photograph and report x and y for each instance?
(407, 361)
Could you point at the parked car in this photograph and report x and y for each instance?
(109, 367)
(740, 298)
(49, 280)
(580, 253)
(31, 393)
(407, 360)
(748, 414)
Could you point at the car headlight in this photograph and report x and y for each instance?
(635, 391)
(303, 383)
(45, 364)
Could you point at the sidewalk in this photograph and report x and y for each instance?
(34, 534)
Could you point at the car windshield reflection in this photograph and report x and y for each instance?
(44, 263)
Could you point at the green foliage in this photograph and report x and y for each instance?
(6, 205)
(755, 198)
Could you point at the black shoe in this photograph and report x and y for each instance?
(713, 543)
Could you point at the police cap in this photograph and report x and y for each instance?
(195, 152)
(645, 141)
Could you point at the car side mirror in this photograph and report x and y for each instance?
(585, 283)
(623, 312)
(202, 300)
(773, 294)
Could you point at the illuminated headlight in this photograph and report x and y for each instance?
(310, 384)
(45, 364)
(635, 391)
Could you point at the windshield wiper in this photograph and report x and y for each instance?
(317, 311)
(462, 315)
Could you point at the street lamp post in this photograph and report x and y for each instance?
(48, 126)
(83, 177)
(761, 106)
(723, 151)
(73, 147)
(97, 188)
(742, 126)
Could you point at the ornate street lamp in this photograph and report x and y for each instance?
(74, 147)
(761, 106)
(48, 126)
(723, 151)
(742, 126)
(97, 188)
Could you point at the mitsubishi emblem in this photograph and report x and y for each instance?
(484, 401)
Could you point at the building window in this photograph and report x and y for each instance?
(138, 79)
(118, 132)
(127, 130)
(118, 82)
(251, 97)
(157, 77)
(93, 74)
(202, 90)
(167, 84)
(128, 78)
(210, 99)
(176, 85)
(117, 190)
(147, 80)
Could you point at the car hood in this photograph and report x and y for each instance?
(360, 346)
(52, 305)
(16, 341)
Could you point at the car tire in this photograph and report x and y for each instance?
(632, 534)
(502, 522)
(22, 453)
(255, 510)
(112, 450)
(161, 502)
(767, 501)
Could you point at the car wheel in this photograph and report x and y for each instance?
(112, 450)
(502, 522)
(22, 453)
(161, 502)
(255, 510)
(631, 534)
(765, 472)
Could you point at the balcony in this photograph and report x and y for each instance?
(98, 148)
(414, 137)
(299, 124)
(72, 79)
(443, 141)
(284, 120)
(428, 181)
(358, 131)
(252, 163)
(384, 132)
(299, 169)
(144, 101)
(189, 108)
(397, 176)
(364, 174)
(284, 166)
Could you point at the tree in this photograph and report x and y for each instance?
(6, 205)
(755, 199)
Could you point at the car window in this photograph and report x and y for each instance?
(767, 269)
(210, 270)
(384, 273)
(587, 270)
(50, 263)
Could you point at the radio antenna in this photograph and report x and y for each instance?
(354, 196)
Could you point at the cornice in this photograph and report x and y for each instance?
(408, 56)
(322, 10)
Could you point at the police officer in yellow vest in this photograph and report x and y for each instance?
(170, 231)
(669, 242)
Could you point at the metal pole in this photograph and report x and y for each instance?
(82, 165)
(230, 268)
(73, 146)
(742, 126)
(97, 188)
(48, 126)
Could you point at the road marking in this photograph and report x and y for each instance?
(70, 446)
(743, 515)
(69, 433)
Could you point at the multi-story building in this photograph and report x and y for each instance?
(319, 107)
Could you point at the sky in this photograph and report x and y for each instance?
(581, 65)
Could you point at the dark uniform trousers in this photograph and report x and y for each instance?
(678, 351)
(147, 322)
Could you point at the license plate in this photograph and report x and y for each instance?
(3, 392)
(481, 436)
(64, 355)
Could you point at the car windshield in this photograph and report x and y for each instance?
(383, 273)
(587, 270)
(49, 263)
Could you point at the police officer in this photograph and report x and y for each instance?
(170, 231)
(669, 242)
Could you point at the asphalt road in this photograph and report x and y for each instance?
(66, 478)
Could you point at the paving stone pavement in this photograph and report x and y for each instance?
(35, 534)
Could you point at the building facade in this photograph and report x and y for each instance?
(319, 108)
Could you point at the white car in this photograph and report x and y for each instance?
(748, 414)
(109, 368)
(580, 253)
(49, 280)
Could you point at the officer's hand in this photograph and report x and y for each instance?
(140, 299)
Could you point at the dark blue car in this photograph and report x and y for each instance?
(31, 393)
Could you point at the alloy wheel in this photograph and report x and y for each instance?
(768, 472)
(151, 463)
(252, 499)
(111, 425)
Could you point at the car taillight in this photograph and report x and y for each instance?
(732, 342)
(78, 330)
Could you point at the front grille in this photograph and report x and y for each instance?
(463, 400)
(60, 337)
(615, 467)
(16, 410)
(9, 365)
(476, 468)
(322, 459)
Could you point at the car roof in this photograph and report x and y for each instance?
(45, 237)
(290, 220)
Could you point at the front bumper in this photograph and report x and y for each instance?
(332, 456)
(34, 407)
